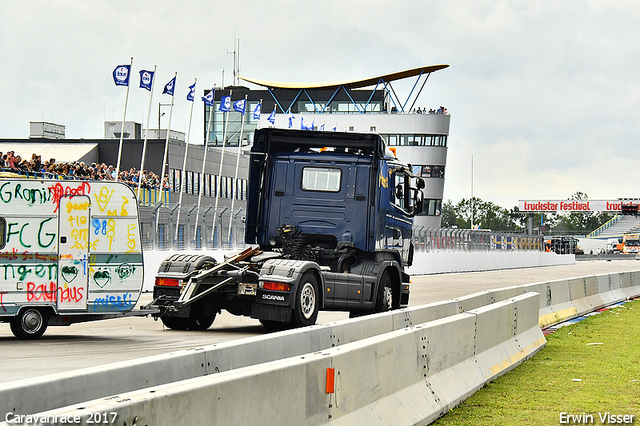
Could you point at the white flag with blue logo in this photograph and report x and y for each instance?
(257, 111)
(322, 127)
(208, 98)
(121, 75)
(240, 106)
(192, 92)
(291, 118)
(146, 79)
(225, 104)
(272, 117)
(170, 87)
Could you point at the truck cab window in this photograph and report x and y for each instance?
(325, 179)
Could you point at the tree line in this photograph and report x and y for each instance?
(489, 215)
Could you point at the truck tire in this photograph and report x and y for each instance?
(196, 320)
(305, 310)
(200, 322)
(30, 323)
(174, 323)
(384, 301)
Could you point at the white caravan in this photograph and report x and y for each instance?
(70, 251)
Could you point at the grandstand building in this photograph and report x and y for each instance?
(369, 105)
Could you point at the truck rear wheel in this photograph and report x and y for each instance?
(174, 323)
(30, 323)
(305, 310)
(197, 320)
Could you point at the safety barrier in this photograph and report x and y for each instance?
(427, 239)
(407, 376)
(172, 374)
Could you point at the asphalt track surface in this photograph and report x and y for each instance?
(104, 342)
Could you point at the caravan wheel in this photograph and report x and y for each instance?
(30, 323)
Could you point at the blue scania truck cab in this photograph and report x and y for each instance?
(329, 222)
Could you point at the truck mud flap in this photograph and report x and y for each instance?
(271, 312)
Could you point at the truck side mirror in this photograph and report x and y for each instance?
(399, 191)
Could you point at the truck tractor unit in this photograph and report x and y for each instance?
(329, 224)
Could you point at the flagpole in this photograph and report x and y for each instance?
(235, 178)
(124, 115)
(204, 163)
(166, 143)
(184, 167)
(224, 138)
(146, 134)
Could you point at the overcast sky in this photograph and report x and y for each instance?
(544, 95)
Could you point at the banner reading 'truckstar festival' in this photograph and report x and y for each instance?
(574, 205)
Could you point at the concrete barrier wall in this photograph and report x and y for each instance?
(447, 262)
(70, 387)
(556, 304)
(403, 377)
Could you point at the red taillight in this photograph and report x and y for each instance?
(275, 286)
(170, 282)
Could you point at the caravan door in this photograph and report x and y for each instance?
(73, 252)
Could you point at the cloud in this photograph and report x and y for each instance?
(550, 88)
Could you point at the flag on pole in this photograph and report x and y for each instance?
(192, 92)
(121, 75)
(291, 118)
(170, 87)
(322, 127)
(225, 104)
(272, 117)
(239, 106)
(146, 79)
(208, 98)
(257, 111)
(335, 129)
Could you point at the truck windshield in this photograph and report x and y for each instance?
(634, 242)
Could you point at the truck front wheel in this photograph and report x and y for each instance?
(385, 293)
(30, 323)
(305, 311)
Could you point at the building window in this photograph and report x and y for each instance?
(431, 207)
(415, 140)
(431, 172)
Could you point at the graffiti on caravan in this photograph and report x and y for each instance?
(32, 234)
(10, 191)
(58, 191)
(36, 194)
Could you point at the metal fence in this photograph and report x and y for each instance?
(465, 240)
(225, 228)
(206, 229)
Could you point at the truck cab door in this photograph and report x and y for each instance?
(399, 225)
(73, 252)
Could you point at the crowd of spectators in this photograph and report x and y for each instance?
(441, 110)
(77, 170)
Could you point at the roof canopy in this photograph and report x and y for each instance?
(348, 84)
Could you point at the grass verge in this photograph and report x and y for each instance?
(591, 367)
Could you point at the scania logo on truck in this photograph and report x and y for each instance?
(273, 297)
